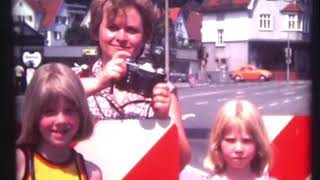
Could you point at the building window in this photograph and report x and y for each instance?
(29, 18)
(265, 22)
(220, 41)
(20, 18)
(57, 35)
(295, 22)
(220, 17)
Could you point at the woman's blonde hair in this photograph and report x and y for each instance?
(244, 115)
(51, 81)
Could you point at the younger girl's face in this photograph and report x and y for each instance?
(59, 122)
(238, 148)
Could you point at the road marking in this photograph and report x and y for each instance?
(222, 99)
(188, 115)
(286, 101)
(257, 93)
(299, 97)
(288, 93)
(201, 103)
(239, 92)
(273, 104)
(260, 107)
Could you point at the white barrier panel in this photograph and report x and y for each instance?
(133, 149)
(291, 143)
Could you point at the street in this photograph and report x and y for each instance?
(200, 105)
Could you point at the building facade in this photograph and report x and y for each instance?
(257, 32)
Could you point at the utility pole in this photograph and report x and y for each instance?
(288, 52)
(167, 67)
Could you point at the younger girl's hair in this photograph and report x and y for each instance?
(243, 115)
(51, 81)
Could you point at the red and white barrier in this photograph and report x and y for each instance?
(291, 145)
(134, 149)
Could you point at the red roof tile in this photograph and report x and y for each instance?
(173, 12)
(293, 7)
(194, 23)
(50, 8)
(36, 6)
(224, 4)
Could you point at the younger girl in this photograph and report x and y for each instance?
(238, 145)
(55, 113)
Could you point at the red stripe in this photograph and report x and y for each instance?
(291, 150)
(162, 160)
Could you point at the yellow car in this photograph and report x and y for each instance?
(250, 72)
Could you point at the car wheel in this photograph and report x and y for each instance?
(237, 78)
(262, 78)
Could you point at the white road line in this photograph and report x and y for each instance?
(288, 93)
(257, 93)
(286, 101)
(239, 92)
(260, 107)
(273, 104)
(201, 103)
(298, 97)
(188, 115)
(222, 99)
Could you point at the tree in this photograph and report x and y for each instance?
(78, 36)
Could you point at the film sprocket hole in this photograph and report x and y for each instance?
(141, 78)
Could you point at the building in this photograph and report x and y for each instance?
(51, 18)
(237, 32)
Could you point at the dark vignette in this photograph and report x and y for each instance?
(315, 101)
(7, 93)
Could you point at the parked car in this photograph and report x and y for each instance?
(250, 72)
(178, 77)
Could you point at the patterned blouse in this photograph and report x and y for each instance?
(104, 104)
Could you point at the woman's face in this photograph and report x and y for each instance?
(59, 123)
(238, 148)
(125, 33)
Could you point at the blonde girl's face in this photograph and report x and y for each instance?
(59, 122)
(125, 33)
(238, 148)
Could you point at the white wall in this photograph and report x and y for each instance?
(21, 8)
(278, 21)
(235, 25)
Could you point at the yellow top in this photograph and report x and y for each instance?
(45, 170)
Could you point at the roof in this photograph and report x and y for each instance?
(293, 7)
(36, 6)
(50, 8)
(223, 5)
(173, 13)
(194, 23)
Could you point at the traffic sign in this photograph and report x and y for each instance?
(288, 52)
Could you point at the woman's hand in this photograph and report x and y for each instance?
(114, 69)
(161, 100)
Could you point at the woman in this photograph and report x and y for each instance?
(122, 27)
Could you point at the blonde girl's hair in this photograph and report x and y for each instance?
(51, 81)
(244, 115)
